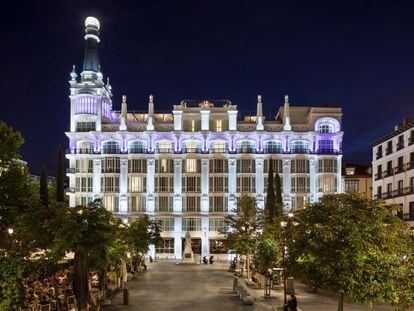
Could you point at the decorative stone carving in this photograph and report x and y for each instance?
(124, 163)
(150, 162)
(177, 162)
(286, 162)
(204, 162)
(232, 162)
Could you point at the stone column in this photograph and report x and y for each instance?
(123, 187)
(177, 237)
(150, 186)
(178, 200)
(232, 183)
(339, 174)
(205, 241)
(286, 185)
(313, 179)
(259, 183)
(97, 178)
(99, 118)
(204, 204)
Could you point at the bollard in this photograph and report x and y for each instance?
(126, 296)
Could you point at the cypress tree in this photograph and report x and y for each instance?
(43, 191)
(270, 208)
(60, 187)
(278, 197)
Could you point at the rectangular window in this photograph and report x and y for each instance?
(277, 166)
(137, 184)
(164, 204)
(137, 203)
(219, 166)
(218, 184)
(351, 185)
(246, 166)
(84, 201)
(192, 166)
(299, 166)
(166, 247)
(164, 166)
(111, 203)
(84, 165)
(191, 224)
(85, 126)
(327, 184)
(379, 192)
(217, 224)
(325, 145)
(246, 184)
(300, 184)
(109, 184)
(110, 165)
(164, 184)
(327, 166)
(166, 224)
(191, 184)
(191, 203)
(411, 210)
(137, 166)
(219, 125)
(84, 184)
(218, 204)
(300, 202)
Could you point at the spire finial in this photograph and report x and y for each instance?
(124, 98)
(259, 98)
(73, 74)
(259, 114)
(122, 125)
(150, 124)
(286, 115)
(286, 98)
(91, 56)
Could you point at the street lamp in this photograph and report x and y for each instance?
(10, 231)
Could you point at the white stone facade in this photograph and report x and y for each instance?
(187, 168)
(393, 169)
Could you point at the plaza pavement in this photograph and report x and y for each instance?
(167, 286)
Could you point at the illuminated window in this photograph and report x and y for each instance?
(191, 166)
(219, 126)
(192, 125)
(325, 128)
(219, 146)
(137, 184)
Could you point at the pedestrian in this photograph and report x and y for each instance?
(293, 303)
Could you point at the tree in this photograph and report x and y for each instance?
(12, 269)
(141, 233)
(43, 190)
(278, 198)
(245, 227)
(10, 143)
(350, 245)
(60, 182)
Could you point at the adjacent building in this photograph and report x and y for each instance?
(188, 167)
(357, 178)
(393, 165)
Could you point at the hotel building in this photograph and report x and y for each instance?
(393, 165)
(188, 167)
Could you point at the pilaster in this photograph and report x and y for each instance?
(259, 183)
(96, 178)
(232, 183)
(313, 179)
(123, 187)
(204, 186)
(177, 238)
(150, 186)
(286, 184)
(205, 243)
(178, 201)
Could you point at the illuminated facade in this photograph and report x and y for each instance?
(188, 167)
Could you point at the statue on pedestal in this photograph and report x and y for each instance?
(188, 255)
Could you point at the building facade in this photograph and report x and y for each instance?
(393, 165)
(357, 178)
(188, 167)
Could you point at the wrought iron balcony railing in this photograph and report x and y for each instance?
(399, 169)
(400, 145)
(273, 150)
(388, 150)
(137, 150)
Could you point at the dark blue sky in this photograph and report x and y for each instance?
(355, 54)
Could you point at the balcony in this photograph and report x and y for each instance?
(379, 155)
(246, 150)
(388, 172)
(218, 150)
(80, 151)
(410, 165)
(399, 169)
(163, 150)
(328, 151)
(388, 150)
(111, 151)
(191, 150)
(400, 145)
(271, 150)
(137, 150)
(399, 192)
(387, 195)
(410, 140)
(378, 176)
(70, 170)
(395, 193)
(299, 151)
(71, 189)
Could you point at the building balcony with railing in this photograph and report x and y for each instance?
(138, 150)
(388, 172)
(378, 155)
(272, 150)
(399, 169)
(378, 176)
(80, 151)
(408, 217)
(410, 140)
(400, 145)
(388, 150)
(163, 150)
(410, 165)
(111, 151)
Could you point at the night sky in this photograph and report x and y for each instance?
(358, 55)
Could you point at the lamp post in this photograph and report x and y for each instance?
(284, 224)
(10, 231)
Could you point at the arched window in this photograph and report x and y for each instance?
(138, 146)
(299, 146)
(164, 146)
(85, 147)
(219, 146)
(245, 146)
(273, 146)
(192, 146)
(110, 147)
(326, 128)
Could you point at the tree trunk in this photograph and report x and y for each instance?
(341, 302)
(248, 266)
